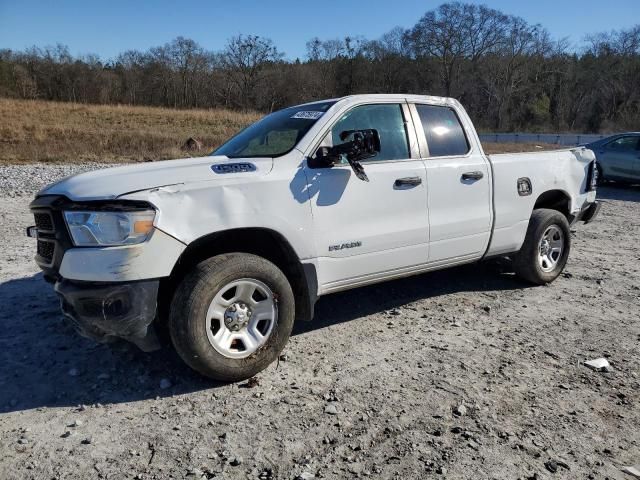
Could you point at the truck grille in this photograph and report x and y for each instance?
(53, 237)
(44, 222)
(46, 237)
(46, 249)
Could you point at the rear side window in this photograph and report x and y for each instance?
(625, 144)
(445, 135)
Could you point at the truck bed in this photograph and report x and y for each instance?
(555, 172)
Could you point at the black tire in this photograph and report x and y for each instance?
(526, 262)
(187, 317)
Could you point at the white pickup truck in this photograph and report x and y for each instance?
(224, 252)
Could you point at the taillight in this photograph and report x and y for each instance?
(592, 178)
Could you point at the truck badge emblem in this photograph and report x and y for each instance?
(233, 167)
(342, 246)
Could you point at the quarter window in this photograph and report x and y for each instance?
(445, 135)
(387, 119)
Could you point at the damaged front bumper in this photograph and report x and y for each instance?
(108, 292)
(106, 311)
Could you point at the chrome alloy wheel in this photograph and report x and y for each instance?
(241, 317)
(551, 248)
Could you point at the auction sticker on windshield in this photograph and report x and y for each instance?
(309, 115)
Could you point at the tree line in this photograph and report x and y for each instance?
(509, 74)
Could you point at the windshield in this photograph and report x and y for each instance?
(276, 134)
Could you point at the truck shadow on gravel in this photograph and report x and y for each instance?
(45, 363)
(389, 296)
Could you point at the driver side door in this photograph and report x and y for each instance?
(367, 231)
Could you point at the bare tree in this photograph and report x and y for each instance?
(509, 74)
(388, 55)
(244, 60)
(187, 59)
(131, 64)
(455, 32)
(504, 72)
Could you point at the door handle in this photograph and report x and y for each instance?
(407, 182)
(472, 175)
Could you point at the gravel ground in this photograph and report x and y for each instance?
(465, 373)
(20, 180)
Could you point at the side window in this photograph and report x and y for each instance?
(624, 144)
(445, 135)
(387, 119)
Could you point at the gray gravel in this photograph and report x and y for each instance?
(459, 374)
(23, 180)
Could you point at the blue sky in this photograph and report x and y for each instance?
(108, 28)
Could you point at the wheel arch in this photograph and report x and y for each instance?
(264, 242)
(555, 200)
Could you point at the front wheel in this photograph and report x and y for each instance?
(546, 247)
(232, 316)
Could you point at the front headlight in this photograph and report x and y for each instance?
(106, 229)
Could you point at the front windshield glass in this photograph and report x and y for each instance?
(276, 134)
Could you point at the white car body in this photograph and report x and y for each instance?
(347, 231)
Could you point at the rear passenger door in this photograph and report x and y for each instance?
(458, 185)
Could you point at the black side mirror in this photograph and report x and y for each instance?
(324, 158)
(365, 144)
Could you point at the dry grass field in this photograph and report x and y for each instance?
(36, 131)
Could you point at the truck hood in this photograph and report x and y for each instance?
(110, 183)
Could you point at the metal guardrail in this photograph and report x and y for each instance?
(569, 139)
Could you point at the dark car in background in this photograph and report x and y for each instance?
(618, 157)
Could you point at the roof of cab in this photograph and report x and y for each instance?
(366, 97)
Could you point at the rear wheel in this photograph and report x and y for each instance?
(231, 316)
(546, 247)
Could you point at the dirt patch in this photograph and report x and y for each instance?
(465, 373)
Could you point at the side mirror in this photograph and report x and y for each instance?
(365, 144)
(324, 158)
